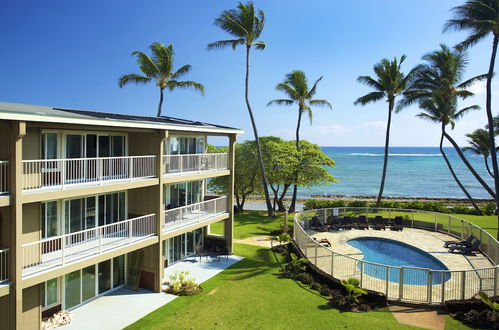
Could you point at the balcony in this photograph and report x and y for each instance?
(185, 216)
(4, 177)
(59, 174)
(195, 163)
(4, 264)
(60, 250)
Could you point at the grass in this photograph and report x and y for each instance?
(252, 223)
(251, 295)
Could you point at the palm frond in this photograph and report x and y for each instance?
(225, 43)
(132, 78)
(320, 103)
(369, 81)
(173, 84)
(259, 45)
(369, 98)
(181, 71)
(281, 102)
(146, 64)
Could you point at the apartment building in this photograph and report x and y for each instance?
(92, 201)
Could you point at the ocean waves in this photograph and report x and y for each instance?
(394, 155)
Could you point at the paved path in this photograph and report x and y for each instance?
(264, 241)
(418, 317)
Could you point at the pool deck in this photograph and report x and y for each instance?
(431, 242)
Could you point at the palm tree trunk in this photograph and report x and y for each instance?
(487, 166)
(490, 118)
(468, 165)
(477, 209)
(385, 160)
(295, 187)
(270, 210)
(160, 101)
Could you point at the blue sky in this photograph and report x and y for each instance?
(71, 53)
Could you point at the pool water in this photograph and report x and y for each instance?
(394, 253)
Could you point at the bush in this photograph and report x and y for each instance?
(489, 208)
(316, 286)
(325, 291)
(313, 204)
(339, 301)
(306, 278)
(183, 285)
(357, 204)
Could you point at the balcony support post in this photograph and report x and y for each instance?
(229, 223)
(18, 131)
(160, 208)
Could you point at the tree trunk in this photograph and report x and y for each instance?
(468, 165)
(385, 160)
(160, 101)
(487, 166)
(454, 174)
(280, 201)
(490, 118)
(270, 211)
(292, 207)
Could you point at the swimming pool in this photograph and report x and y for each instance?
(394, 253)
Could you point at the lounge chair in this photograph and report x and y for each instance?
(317, 225)
(362, 222)
(397, 224)
(331, 223)
(323, 241)
(466, 242)
(378, 223)
(465, 249)
(348, 223)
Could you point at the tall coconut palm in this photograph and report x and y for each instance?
(295, 86)
(158, 68)
(245, 24)
(479, 145)
(442, 74)
(481, 19)
(440, 110)
(390, 82)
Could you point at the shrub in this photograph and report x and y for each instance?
(183, 285)
(325, 291)
(313, 204)
(489, 208)
(357, 204)
(471, 316)
(364, 308)
(299, 276)
(307, 279)
(352, 285)
(316, 286)
(339, 301)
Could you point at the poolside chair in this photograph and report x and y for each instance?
(378, 223)
(397, 224)
(467, 250)
(348, 223)
(315, 224)
(325, 242)
(466, 242)
(362, 222)
(332, 223)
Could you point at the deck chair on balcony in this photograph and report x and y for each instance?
(362, 222)
(467, 242)
(466, 250)
(378, 223)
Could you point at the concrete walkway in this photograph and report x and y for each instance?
(123, 307)
(418, 317)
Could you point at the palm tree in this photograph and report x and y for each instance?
(437, 109)
(158, 68)
(442, 74)
(245, 24)
(479, 145)
(390, 82)
(481, 19)
(295, 86)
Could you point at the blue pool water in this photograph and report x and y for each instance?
(398, 254)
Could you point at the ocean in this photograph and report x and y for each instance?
(412, 172)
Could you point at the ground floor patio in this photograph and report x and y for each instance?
(122, 307)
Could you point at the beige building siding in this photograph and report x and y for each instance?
(31, 143)
(32, 230)
(5, 310)
(31, 318)
(141, 144)
(4, 137)
(142, 201)
(4, 227)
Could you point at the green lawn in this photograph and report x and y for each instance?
(252, 223)
(251, 295)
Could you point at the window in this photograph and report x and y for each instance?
(50, 292)
(50, 221)
(49, 145)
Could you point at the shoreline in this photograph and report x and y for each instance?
(447, 200)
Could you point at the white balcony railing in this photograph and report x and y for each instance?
(184, 216)
(53, 174)
(60, 250)
(4, 176)
(4, 264)
(197, 163)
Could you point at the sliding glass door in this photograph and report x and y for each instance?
(183, 194)
(182, 246)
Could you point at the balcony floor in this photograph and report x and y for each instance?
(190, 219)
(123, 307)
